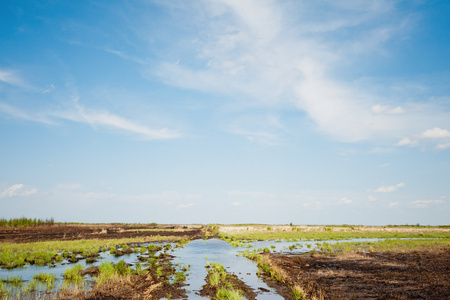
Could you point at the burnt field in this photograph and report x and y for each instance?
(374, 275)
(85, 232)
(149, 261)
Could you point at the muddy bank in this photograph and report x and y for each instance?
(78, 232)
(375, 275)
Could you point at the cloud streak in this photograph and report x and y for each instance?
(17, 190)
(389, 189)
(94, 118)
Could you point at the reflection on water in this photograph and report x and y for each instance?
(198, 252)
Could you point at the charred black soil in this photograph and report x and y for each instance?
(84, 232)
(374, 275)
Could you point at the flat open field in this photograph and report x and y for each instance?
(374, 275)
(86, 232)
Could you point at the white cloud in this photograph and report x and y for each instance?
(94, 118)
(251, 194)
(386, 109)
(345, 201)
(426, 203)
(49, 89)
(16, 190)
(69, 186)
(371, 198)
(313, 205)
(184, 206)
(262, 129)
(394, 204)
(389, 189)
(278, 55)
(235, 203)
(20, 114)
(10, 77)
(435, 133)
(443, 146)
(107, 119)
(407, 142)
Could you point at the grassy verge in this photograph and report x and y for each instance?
(394, 245)
(318, 233)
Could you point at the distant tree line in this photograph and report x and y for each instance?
(23, 222)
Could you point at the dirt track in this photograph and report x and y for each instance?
(77, 232)
(378, 275)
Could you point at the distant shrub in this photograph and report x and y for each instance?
(24, 222)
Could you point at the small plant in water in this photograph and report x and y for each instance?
(73, 274)
(45, 278)
(121, 268)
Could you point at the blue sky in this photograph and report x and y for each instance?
(227, 111)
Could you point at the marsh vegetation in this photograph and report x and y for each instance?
(155, 262)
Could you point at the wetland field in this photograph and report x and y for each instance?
(48, 260)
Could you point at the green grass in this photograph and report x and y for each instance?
(229, 294)
(73, 274)
(43, 253)
(396, 245)
(217, 275)
(218, 278)
(106, 271)
(48, 280)
(330, 233)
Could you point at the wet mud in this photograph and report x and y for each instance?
(375, 275)
(84, 232)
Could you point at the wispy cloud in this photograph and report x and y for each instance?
(386, 109)
(17, 190)
(407, 142)
(344, 201)
(268, 55)
(94, 118)
(434, 135)
(251, 194)
(11, 77)
(236, 203)
(389, 189)
(426, 203)
(184, 206)
(313, 205)
(109, 120)
(394, 204)
(443, 146)
(28, 116)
